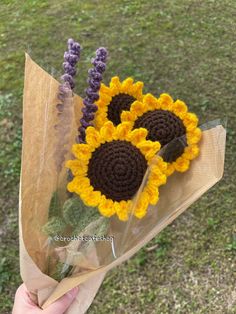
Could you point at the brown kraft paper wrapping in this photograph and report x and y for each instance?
(39, 118)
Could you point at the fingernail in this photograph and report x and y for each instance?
(73, 292)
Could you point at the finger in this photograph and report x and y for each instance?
(62, 304)
(23, 303)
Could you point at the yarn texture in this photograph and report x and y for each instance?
(116, 98)
(165, 127)
(117, 169)
(168, 122)
(119, 103)
(110, 167)
(94, 81)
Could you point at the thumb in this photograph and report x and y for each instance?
(62, 304)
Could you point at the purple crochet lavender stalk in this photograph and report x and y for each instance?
(94, 81)
(71, 57)
(65, 95)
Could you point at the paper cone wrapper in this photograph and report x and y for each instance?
(181, 190)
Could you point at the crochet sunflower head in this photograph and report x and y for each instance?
(167, 122)
(114, 99)
(109, 170)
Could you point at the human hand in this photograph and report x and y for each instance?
(24, 305)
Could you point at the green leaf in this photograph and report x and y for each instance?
(54, 226)
(77, 214)
(54, 207)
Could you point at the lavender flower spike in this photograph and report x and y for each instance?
(71, 57)
(64, 106)
(94, 81)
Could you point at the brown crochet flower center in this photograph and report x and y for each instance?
(116, 169)
(165, 127)
(119, 103)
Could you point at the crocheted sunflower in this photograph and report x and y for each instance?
(109, 170)
(167, 122)
(114, 99)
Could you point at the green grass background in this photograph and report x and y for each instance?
(184, 47)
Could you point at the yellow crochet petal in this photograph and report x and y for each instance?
(102, 102)
(103, 111)
(153, 193)
(170, 169)
(84, 193)
(106, 207)
(93, 137)
(92, 198)
(128, 116)
(151, 102)
(179, 108)
(191, 152)
(157, 176)
(123, 130)
(77, 167)
(100, 119)
(194, 136)
(126, 85)
(166, 98)
(84, 185)
(149, 148)
(158, 161)
(82, 151)
(115, 83)
(181, 164)
(104, 99)
(122, 210)
(137, 89)
(105, 90)
(166, 102)
(78, 184)
(108, 131)
(71, 186)
(138, 136)
(101, 105)
(190, 121)
(141, 208)
(138, 108)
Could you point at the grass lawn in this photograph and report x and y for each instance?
(184, 47)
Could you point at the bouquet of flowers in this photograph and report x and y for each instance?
(103, 175)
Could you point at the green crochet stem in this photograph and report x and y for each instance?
(99, 228)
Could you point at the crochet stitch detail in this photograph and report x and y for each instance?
(117, 169)
(164, 126)
(119, 103)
